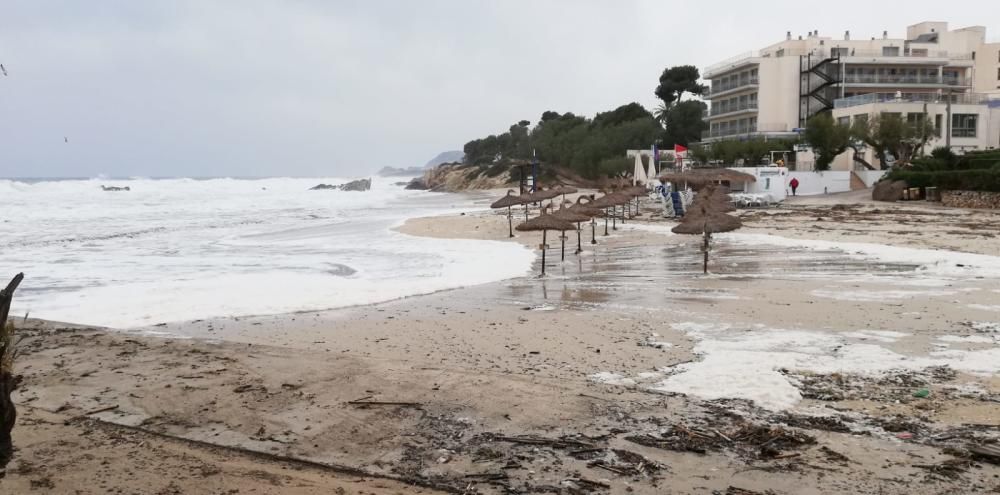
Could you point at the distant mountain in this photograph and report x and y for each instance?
(446, 157)
(400, 172)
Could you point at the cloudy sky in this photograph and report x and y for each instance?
(307, 88)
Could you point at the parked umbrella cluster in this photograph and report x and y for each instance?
(564, 216)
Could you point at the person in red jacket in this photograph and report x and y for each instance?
(794, 185)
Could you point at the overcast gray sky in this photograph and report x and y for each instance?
(300, 88)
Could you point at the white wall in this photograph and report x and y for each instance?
(870, 177)
(770, 180)
(811, 183)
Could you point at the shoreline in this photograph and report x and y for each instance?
(577, 355)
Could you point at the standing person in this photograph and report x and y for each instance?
(794, 185)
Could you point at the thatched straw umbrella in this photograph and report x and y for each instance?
(707, 216)
(507, 202)
(545, 223)
(537, 196)
(564, 190)
(701, 176)
(584, 204)
(604, 202)
(636, 192)
(575, 216)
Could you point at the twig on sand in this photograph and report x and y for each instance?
(100, 410)
(383, 403)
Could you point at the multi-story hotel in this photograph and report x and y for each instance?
(951, 77)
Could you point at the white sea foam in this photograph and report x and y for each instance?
(746, 363)
(180, 249)
(878, 296)
(929, 261)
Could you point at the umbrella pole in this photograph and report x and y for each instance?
(544, 232)
(614, 218)
(562, 242)
(525, 212)
(605, 221)
(579, 244)
(510, 221)
(705, 249)
(593, 231)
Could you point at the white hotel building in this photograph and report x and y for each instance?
(949, 77)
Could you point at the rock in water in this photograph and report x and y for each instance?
(115, 188)
(889, 190)
(357, 185)
(354, 185)
(417, 184)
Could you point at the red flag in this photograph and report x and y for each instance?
(679, 149)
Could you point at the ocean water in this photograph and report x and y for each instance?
(184, 249)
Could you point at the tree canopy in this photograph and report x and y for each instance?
(827, 138)
(675, 81)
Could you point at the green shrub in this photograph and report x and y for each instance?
(980, 179)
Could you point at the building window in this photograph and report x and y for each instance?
(890, 51)
(839, 52)
(998, 73)
(918, 52)
(964, 125)
(844, 120)
(937, 125)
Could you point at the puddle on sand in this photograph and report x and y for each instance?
(644, 277)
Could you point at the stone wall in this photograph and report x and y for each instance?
(971, 199)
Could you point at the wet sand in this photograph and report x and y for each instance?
(575, 356)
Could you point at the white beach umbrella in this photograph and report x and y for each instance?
(651, 173)
(639, 175)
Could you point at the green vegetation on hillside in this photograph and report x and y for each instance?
(595, 147)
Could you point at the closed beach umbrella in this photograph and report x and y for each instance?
(507, 202)
(544, 223)
(639, 173)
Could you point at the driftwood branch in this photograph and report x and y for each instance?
(8, 382)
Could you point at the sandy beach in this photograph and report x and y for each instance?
(838, 346)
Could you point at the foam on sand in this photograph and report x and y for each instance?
(746, 362)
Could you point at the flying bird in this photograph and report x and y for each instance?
(3, 69)
(66, 139)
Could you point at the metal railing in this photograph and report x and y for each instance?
(903, 79)
(956, 98)
(743, 130)
(732, 61)
(729, 86)
(729, 108)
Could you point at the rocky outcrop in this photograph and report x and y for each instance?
(357, 185)
(417, 184)
(460, 177)
(887, 190)
(354, 185)
(971, 199)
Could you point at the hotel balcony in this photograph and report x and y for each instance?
(719, 90)
(955, 99)
(745, 131)
(733, 109)
(905, 80)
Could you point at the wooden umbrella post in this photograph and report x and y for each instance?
(593, 231)
(605, 221)
(562, 242)
(579, 242)
(544, 233)
(510, 221)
